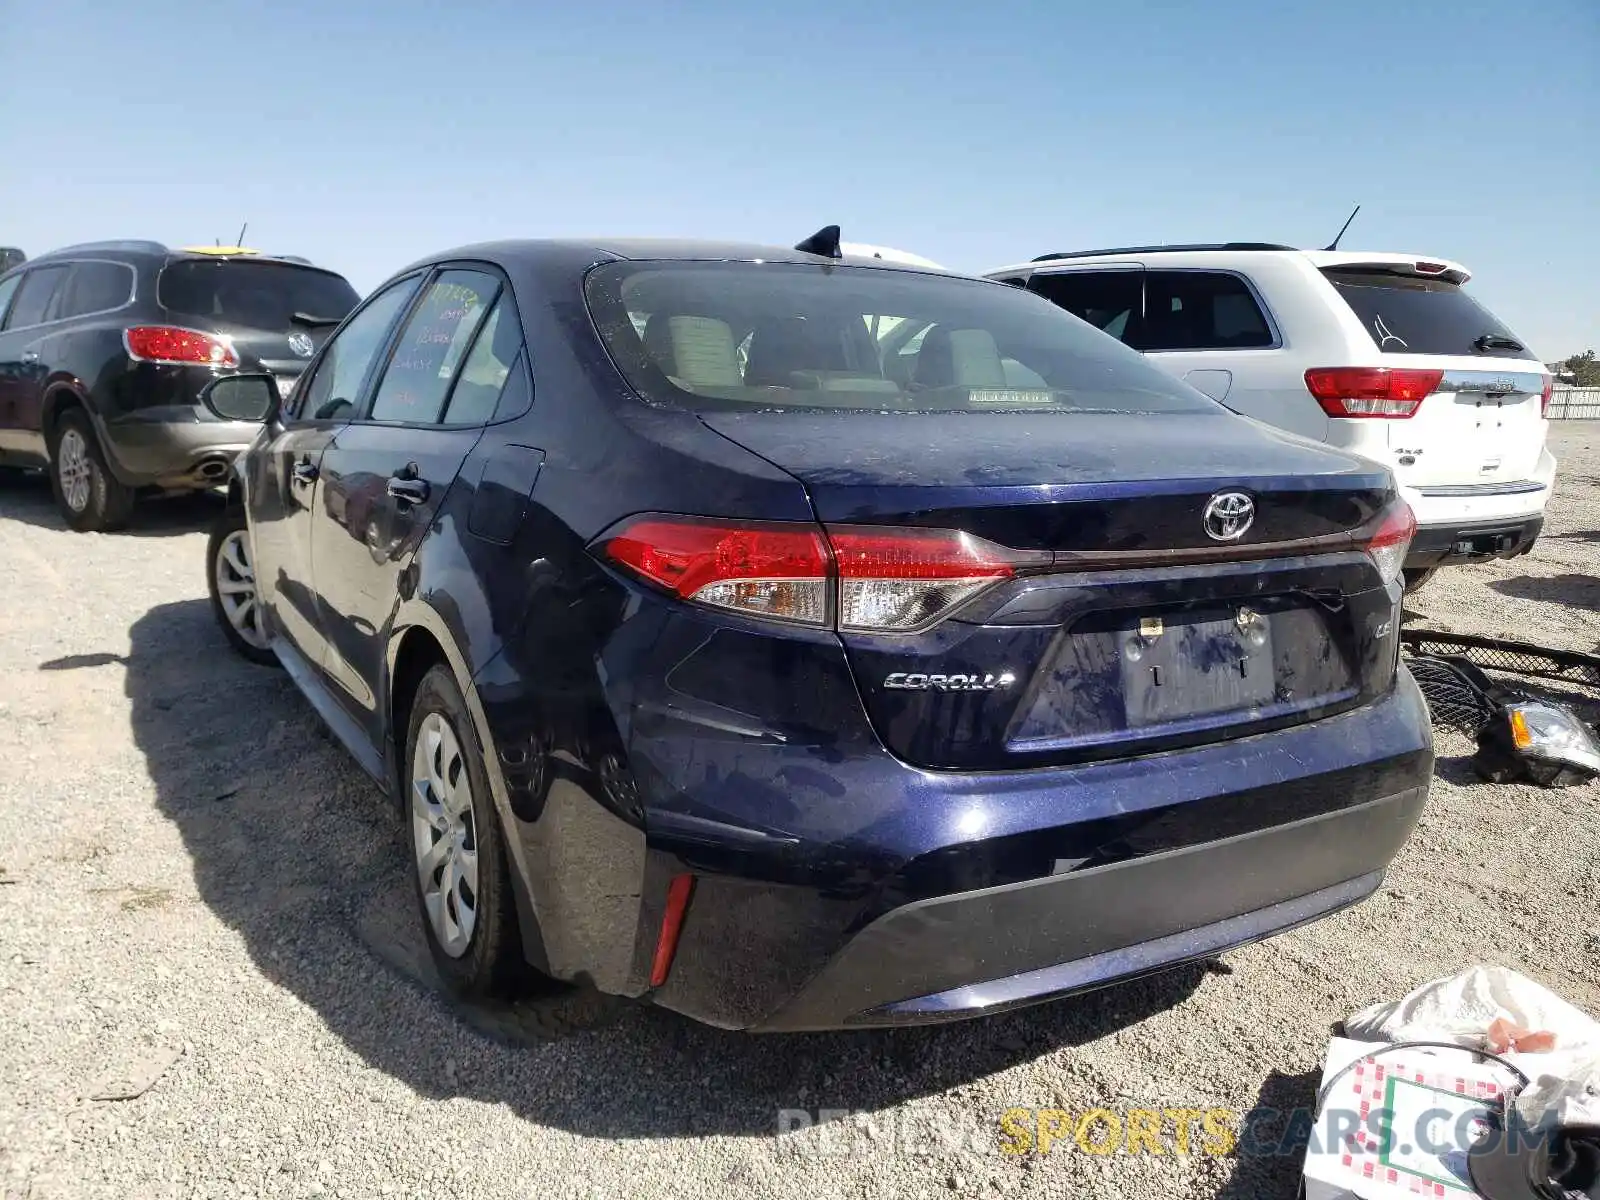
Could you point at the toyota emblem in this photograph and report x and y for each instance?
(302, 345)
(1228, 515)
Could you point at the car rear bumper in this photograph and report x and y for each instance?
(1441, 545)
(986, 951)
(168, 447)
(1139, 865)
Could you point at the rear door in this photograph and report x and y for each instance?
(1482, 425)
(285, 471)
(385, 475)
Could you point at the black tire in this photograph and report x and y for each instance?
(502, 994)
(1418, 578)
(108, 502)
(230, 523)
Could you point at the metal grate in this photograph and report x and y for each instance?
(1516, 658)
(1452, 699)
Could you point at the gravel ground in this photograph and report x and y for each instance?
(189, 868)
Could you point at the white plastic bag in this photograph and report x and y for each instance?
(1461, 1008)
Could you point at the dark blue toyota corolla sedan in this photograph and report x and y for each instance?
(800, 642)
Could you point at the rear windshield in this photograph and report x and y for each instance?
(731, 335)
(1406, 314)
(256, 295)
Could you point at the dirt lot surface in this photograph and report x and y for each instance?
(195, 884)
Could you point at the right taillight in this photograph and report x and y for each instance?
(1544, 396)
(1391, 541)
(174, 345)
(860, 577)
(1392, 392)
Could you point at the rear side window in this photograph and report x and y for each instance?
(252, 294)
(475, 398)
(1201, 310)
(1109, 300)
(93, 287)
(1408, 314)
(34, 296)
(738, 335)
(433, 344)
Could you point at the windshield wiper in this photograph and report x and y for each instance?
(1490, 341)
(316, 322)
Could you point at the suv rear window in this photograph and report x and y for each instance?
(729, 335)
(1408, 314)
(254, 294)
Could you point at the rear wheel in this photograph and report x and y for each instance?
(231, 580)
(1418, 578)
(463, 877)
(89, 496)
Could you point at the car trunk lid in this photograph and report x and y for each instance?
(1136, 616)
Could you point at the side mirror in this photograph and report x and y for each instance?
(242, 397)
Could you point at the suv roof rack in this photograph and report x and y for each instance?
(1164, 249)
(121, 245)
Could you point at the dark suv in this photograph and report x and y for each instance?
(104, 348)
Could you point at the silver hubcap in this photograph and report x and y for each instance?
(443, 835)
(236, 588)
(74, 470)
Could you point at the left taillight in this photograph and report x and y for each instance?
(765, 570)
(858, 577)
(1544, 396)
(1391, 541)
(175, 346)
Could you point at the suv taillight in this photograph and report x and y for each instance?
(862, 577)
(177, 346)
(1390, 392)
(1544, 396)
(1391, 542)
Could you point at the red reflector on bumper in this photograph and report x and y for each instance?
(678, 893)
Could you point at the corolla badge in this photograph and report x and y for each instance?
(302, 345)
(1228, 515)
(918, 681)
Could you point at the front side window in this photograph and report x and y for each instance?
(728, 335)
(335, 388)
(8, 289)
(432, 345)
(1201, 310)
(34, 296)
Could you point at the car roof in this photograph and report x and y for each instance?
(1219, 253)
(529, 251)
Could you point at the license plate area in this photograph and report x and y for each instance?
(1196, 667)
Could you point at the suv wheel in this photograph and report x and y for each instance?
(89, 496)
(231, 579)
(1418, 578)
(463, 877)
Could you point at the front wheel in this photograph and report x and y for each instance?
(89, 496)
(231, 576)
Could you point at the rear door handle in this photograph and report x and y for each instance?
(30, 356)
(408, 491)
(305, 471)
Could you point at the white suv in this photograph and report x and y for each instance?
(1383, 354)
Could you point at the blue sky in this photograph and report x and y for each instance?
(366, 134)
